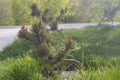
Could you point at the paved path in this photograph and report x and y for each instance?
(7, 35)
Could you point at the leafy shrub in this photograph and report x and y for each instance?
(44, 51)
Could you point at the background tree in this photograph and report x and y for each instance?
(82, 11)
(6, 13)
(21, 9)
(79, 10)
(90, 10)
(109, 11)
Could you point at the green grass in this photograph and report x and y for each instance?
(22, 68)
(97, 40)
(100, 74)
(16, 49)
(97, 48)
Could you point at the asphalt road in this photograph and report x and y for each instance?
(9, 34)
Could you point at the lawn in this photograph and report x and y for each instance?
(97, 48)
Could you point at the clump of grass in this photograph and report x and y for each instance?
(23, 68)
(100, 74)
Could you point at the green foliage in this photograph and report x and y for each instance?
(18, 12)
(76, 11)
(55, 6)
(21, 12)
(44, 51)
(21, 9)
(90, 10)
(6, 14)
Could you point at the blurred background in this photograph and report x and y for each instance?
(18, 12)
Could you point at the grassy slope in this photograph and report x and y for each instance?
(98, 40)
(16, 49)
(98, 46)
